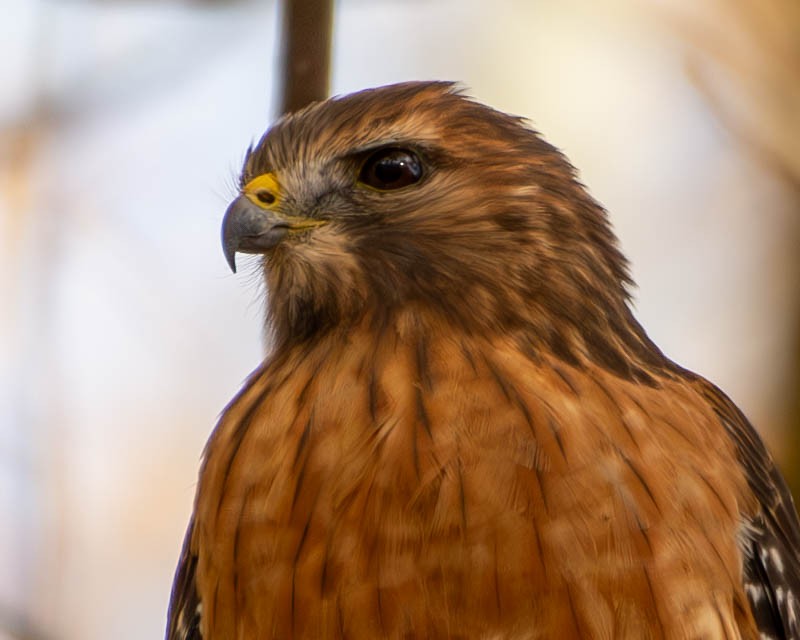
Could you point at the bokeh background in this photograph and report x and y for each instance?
(122, 333)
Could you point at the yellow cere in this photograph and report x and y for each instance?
(263, 191)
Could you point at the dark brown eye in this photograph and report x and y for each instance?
(391, 168)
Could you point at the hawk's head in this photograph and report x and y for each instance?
(413, 195)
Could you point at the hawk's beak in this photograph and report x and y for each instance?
(248, 228)
(252, 223)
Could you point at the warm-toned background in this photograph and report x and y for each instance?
(122, 333)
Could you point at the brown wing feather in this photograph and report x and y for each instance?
(772, 545)
(183, 618)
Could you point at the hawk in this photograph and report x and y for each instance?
(461, 430)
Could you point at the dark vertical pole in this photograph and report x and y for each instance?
(305, 52)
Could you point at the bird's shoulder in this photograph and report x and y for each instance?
(183, 616)
(770, 538)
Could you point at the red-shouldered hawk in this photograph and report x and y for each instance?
(461, 430)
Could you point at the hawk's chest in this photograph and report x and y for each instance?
(446, 489)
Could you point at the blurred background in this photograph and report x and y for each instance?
(123, 334)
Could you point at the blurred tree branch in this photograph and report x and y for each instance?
(748, 67)
(306, 52)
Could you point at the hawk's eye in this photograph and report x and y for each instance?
(391, 168)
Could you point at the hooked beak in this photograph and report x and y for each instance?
(248, 228)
